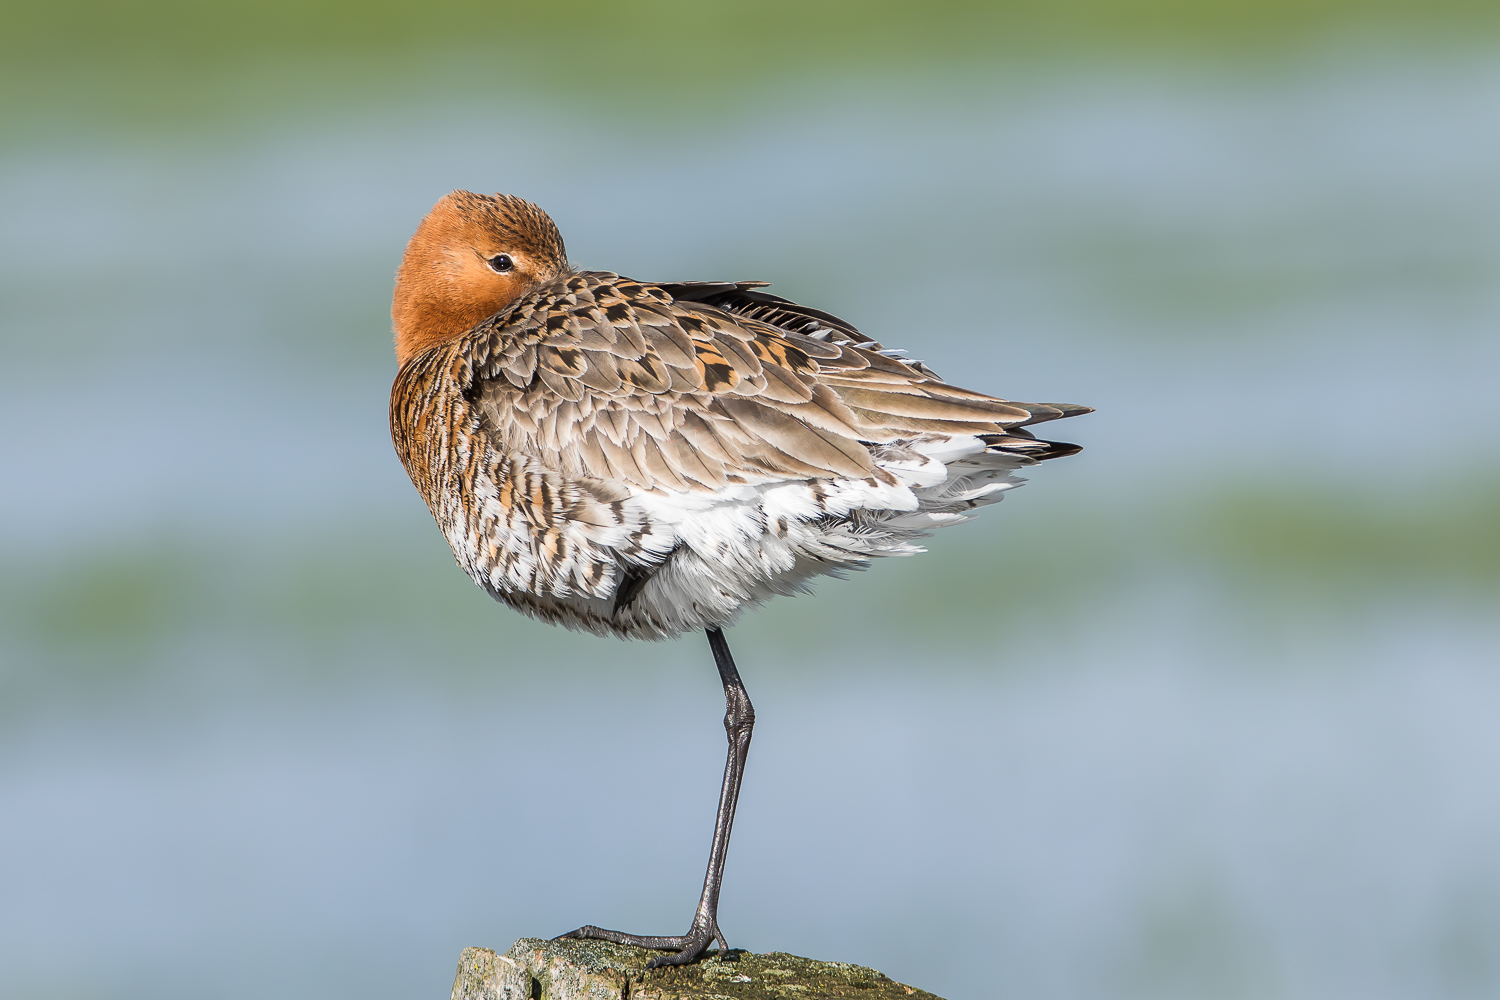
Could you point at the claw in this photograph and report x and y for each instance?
(690, 947)
(590, 932)
(693, 948)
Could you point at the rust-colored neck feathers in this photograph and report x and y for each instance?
(472, 256)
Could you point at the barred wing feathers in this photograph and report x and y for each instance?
(694, 386)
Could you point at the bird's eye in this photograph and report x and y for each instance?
(501, 263)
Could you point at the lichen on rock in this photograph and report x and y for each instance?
(534, 969)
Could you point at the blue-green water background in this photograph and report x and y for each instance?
(1208, 711)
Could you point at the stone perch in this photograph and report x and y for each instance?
(534, 969)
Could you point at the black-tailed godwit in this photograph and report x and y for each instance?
(642, 459)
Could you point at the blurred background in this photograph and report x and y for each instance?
(1207, 711)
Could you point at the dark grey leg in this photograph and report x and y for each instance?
(739, 720)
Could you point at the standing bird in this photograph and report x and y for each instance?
(642, 459)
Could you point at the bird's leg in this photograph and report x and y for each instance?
(739, 720)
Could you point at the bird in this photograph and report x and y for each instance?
(643, 459)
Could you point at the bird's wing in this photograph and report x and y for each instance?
(693, 386)
(742, 298)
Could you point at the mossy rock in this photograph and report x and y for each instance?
(534, 969)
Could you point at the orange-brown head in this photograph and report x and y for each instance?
(472, 256)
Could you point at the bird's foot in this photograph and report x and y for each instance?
(689, 947)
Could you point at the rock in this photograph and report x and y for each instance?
(534, 969)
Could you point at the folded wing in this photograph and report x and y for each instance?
(693, 387)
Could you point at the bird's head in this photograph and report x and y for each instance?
(472, 256)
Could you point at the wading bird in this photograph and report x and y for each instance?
(641, 459)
